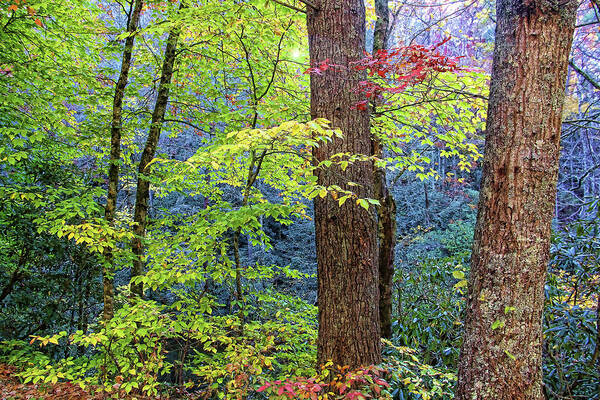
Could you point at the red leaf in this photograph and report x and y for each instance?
(263, 387)
(381, 382)
(355, 395)
(362, 105)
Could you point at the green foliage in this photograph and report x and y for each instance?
(429, 304)
(457, 240)
(570, 334)
(229, 249)
(128, 353)
(570, 318)
(443, 115)
(410, 378)
(219, 355)
(22, 354)
(448, 234)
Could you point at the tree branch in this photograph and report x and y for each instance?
(289, 6)
(310, 4)
(585, 75)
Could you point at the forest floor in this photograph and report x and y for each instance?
(11, 388)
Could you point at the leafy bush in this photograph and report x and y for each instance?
(217, 355)
(571, 319)
(400, 376)
(429, 303)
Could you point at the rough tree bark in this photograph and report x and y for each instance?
(142, 195)
(115, 155)
(501, 356)
(348, 292)
(386, 212)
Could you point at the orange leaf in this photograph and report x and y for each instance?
(13, 7)
(38, 22)
(31, 11)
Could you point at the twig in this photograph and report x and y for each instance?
(585, 75)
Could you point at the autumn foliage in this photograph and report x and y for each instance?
(365, 383)
(394, 70)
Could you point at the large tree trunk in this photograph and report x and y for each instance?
(501, 356)
(348, 292)
(386, 212)
(143, 185)
(115, 155)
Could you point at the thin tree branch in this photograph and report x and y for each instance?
(289, 6)
(585, 75)
(310, 4)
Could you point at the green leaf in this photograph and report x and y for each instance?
(461, 284)
(363, 203)
(508, 309)
(512, 357)
(458, 274)
(498, 324)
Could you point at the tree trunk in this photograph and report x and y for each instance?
(115, 157)
(387, 244)
(345, 235)
(143, 185)
(501, 356)
(380, 36)
(596, 355)
(386, 212)
(17, 274)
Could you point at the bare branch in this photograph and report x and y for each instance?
(585, 75)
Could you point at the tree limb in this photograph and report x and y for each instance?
(289, 6)
(585, 75)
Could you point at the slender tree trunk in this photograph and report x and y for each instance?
(17, 274)
(387, 244)
(115, 157)
(345, 235)
(386, 212)
(143, 185)
(380, 36)
(596, 355)
(501, 356)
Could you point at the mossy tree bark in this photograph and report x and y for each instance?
(142, 196)
(346, 242)
(115, 154)
(501, 356)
